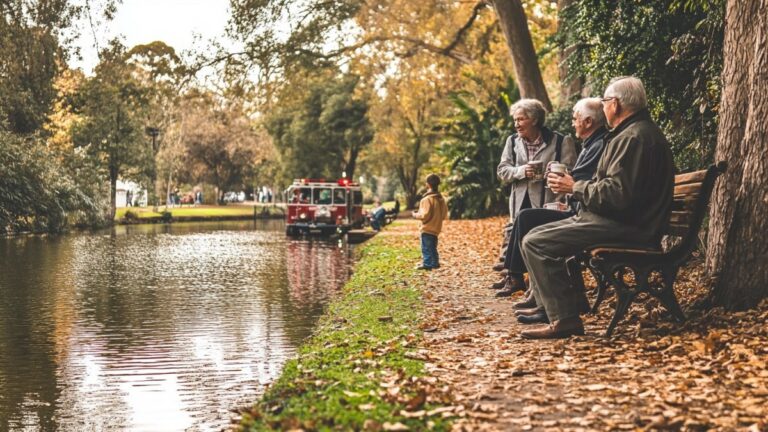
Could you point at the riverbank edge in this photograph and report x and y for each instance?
(362, 368)
(258, 214)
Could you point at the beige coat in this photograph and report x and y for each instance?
(512, 169)
(432, 211)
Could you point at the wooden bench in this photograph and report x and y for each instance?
(632, 270)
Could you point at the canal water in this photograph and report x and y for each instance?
(154, 327)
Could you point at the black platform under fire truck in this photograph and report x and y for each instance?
(319, 207)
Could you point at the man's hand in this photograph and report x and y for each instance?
(415, 214)
(560, 183)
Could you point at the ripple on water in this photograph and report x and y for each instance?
(160, 328)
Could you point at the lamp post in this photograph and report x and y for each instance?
(153, 132)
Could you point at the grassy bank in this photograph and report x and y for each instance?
(202, 213)
(361, 368)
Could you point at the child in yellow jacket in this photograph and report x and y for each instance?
(432, 211)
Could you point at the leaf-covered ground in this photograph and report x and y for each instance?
(708, 374)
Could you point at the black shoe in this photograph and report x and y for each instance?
(498, 266)
(423, 267)
(528, 303)
(539, 318)
(504, 293)
(499, 285)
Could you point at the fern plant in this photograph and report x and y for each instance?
(474, 140)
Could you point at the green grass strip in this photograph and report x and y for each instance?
(357, 370)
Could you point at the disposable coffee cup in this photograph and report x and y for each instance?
(538, 169)
(557, 168)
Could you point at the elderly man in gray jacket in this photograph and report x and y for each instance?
(628, 201)
(532, 142)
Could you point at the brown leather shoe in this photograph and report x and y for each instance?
(563, 328)
(514, 283)
(498, 266)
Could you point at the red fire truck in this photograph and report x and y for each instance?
(319, 207)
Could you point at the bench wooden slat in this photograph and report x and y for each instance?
(598, 251)
(679, 230)
(688, 189)
(684, 203)
(691, 177)
(680, 217)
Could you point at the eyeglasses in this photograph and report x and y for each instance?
(606, 99)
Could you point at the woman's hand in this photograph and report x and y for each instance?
(530, 171)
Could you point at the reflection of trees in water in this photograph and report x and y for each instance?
(108, 331)
(316, 269)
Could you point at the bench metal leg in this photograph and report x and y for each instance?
(602, 290)
(623, 301)
(668, 298)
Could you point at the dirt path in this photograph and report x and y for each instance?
(708, 374)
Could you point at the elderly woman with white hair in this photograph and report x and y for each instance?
(526, 153)
(589, 124)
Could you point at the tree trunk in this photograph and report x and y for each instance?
(113, 173)
(514, 24)
(737, 252)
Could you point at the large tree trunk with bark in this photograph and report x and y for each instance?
(737, 252)
(514, 24)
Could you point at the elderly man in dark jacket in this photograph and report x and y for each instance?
(589, 125)
(628, 201)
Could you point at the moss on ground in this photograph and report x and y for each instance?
(361, 368)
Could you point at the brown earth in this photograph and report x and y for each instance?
(707, 374)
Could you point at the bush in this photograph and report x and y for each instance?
(166, 217)
(130, 215)
(36, 193)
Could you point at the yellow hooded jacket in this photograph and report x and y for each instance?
(432, 212)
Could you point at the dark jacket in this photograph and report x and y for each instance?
(634, 182)
(592, 149)
(586, 163)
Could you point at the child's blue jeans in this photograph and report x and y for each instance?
(429, 250)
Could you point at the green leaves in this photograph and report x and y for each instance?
(36, 192)
(474, 141)
(321, 133)
(674, 46)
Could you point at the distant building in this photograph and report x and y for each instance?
(134, 191)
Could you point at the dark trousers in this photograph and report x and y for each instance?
(429, 250)
(527, 220)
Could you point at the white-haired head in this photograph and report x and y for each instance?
(531, 108)
(629, 91)
(590, 108)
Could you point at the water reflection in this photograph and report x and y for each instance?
(153, 327)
